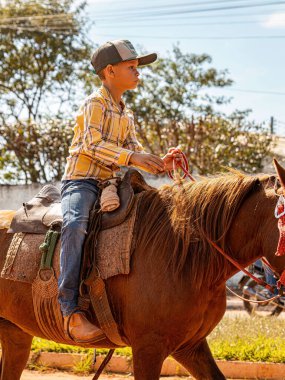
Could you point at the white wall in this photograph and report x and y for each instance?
(12, 197)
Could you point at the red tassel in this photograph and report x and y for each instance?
(281, 226)
(281, 280)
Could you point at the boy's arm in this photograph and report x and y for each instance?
(149, 162)
(95, 146)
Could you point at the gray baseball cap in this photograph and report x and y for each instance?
(113, 52)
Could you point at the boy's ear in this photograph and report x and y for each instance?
(109, 71)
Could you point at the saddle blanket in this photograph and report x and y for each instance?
(113, 252)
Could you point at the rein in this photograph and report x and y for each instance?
(173, 174)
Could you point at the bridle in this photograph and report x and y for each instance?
(183, 165)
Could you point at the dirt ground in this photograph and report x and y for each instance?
(35, 375)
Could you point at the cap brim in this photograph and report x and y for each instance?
(147, 59)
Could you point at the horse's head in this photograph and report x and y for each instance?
(274, 238)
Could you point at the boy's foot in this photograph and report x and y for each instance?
(79, 329)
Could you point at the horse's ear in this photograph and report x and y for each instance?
(281, 172)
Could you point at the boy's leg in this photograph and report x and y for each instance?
(78, 197)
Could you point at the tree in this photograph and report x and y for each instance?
(35, 152)
(171, 109)
(44, 54)
(38, 64)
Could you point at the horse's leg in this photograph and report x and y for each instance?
(148, 358)
(199, 362)
(16, 345)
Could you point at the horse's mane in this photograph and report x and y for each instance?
(174, 220)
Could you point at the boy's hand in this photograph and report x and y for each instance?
(168, 158)
(150, 162)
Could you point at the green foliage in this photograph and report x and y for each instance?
(39, 344)
(85, 365)
(33, 152)
(172, 109)
(40, 59)
(213, 143)
(44, 53)
(249, 339)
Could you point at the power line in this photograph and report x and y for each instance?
(255, 91)
(201, 10)
(180, 24)
(166, 6)
(202, 17)
(54, 29)
(61, 16)
(163, 4)
(202, 38)
(62, 22)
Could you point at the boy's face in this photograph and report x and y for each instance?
(125, 75)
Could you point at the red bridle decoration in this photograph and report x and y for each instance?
(280, 215)
(181, 163)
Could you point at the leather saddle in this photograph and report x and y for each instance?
(44, 210)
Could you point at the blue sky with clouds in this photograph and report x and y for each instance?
(246, 37)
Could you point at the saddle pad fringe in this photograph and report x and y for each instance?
(47, 310)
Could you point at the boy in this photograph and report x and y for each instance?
(104, 138)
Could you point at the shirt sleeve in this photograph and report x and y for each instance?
(131, 142)
(97, 147)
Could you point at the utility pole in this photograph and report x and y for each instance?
(272, 125)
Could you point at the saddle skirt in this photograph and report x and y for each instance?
(113, 252)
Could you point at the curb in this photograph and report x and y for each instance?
(123, 364)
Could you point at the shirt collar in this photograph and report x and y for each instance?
(107, 95)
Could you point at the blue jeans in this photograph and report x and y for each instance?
(77, 199)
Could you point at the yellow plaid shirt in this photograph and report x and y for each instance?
(104, 138)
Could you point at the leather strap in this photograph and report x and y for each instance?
(92, 283)
(103, 364)
(100, 303)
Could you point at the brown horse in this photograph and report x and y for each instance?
(175, 294)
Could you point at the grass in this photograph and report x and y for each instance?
(50, 346)
(245, 339)
(84, 366)
(249, 339)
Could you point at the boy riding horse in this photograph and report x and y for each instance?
(104, 139)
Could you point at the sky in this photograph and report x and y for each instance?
(246, 37)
